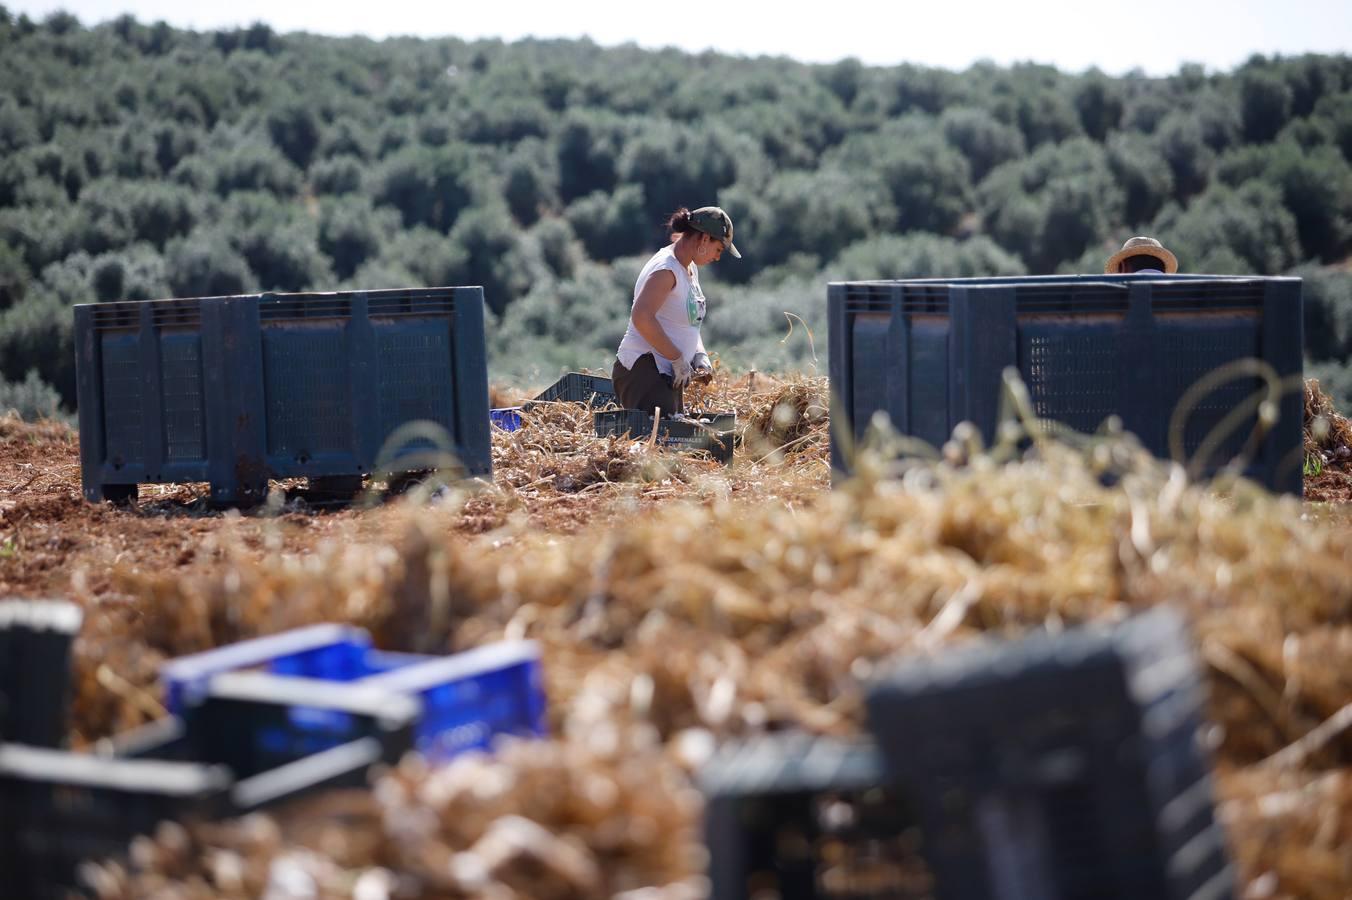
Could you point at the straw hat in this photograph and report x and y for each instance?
(1142, 246)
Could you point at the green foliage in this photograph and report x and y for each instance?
(116, 213)
(983, 139)
(928, 180)
(531, 181)
(1182, 144)
(337, 175)
(1336, 112)
(17, 127)
(1265, 103)
(32, 398)
(1146, 178)
(14, 277)
(204, 264)
(35, 335)
(1232, 231)
(674, 162)
(1315, 184)
(294, 128)
(429, 256)
(137, 160)
(491, 240)
(559, 248)
(429, 186)
(819, 212)
(923, 256)
(1053, 205)
(574, 322)
(589, 146)
(136, 273)
(612, 225)
(350, 233)
(1099, 102)
(255, 165)
(41, 234)
(1327, 295)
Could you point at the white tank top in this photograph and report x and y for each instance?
(680, 315)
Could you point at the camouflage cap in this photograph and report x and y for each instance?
(716, 224)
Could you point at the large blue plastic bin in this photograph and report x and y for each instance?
(238, 390)
(930, 353)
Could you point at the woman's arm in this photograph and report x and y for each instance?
(649, 301)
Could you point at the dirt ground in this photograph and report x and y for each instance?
(53, 543)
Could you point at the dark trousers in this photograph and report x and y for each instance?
(643, 387)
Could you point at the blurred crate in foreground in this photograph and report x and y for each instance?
(239, 748)
(35, 641)
(1064, 766)
(931, 353)
(796, 817)
(467, 699)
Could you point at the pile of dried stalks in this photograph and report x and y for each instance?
(1328, 448)
(702, 620)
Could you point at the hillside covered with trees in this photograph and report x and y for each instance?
(138, 161)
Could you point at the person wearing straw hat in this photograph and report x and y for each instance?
(1141, 254)
(662, 348)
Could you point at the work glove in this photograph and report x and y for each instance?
(703, 370)
(680, 372)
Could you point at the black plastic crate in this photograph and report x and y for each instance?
(576, 387)
(238, 390)
(63, 808)
(1063, 766)
(931, 353)
(714, 434)
(796, 817)
(342, 765)
(35, 641)
(253, 722)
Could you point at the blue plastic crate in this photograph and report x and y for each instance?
(467, 698)
(331, 652)
(507, 418)
(473, 697)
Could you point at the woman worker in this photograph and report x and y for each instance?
(662, 347)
